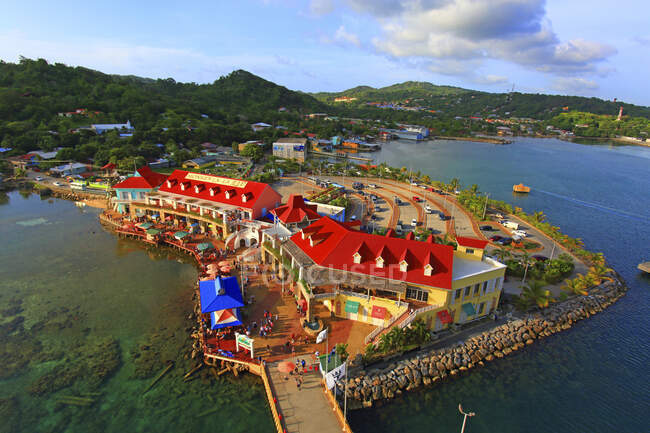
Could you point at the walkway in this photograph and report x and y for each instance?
(306, 410)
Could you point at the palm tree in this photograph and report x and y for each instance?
(539, 216)
(454, 184)
(574, 287)
(535, 294)
(474, 189)
(418, 333)
(502, 254)
(599, 273)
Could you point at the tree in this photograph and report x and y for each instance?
(417, 333)
(342, 351)
(453, 185)
(253, 151)
(534, 294)
(574, 287)
(599, 273)
(502, 254)
(538, 217)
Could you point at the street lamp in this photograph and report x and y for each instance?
(460, 408)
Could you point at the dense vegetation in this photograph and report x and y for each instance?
(454, 101)
(594, 125)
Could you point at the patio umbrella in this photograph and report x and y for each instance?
(224, 263)
(145, 226)
(204, 246)
(286, 367)
(180, 235)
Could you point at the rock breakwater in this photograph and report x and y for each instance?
(367, 386)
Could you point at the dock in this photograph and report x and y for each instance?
(645, 267)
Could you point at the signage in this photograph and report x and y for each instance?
(244, 342)
(216, 179)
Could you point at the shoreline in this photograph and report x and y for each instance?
(494, 140)
(368, 386)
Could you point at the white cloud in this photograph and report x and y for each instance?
(574, 85)
(343, 36)
(453, 32)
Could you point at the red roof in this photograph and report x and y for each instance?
(109, 166)
(331, 244)
(147, 179)
(296, 210)
(471, 242)
(209, 187)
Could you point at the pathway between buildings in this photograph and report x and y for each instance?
(304, 410)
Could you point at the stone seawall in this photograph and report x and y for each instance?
(373, 385)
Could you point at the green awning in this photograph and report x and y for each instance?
(468, 308)
(153, 231)
(180, 235)
(204, 246)
(351, 307)
(145, 226)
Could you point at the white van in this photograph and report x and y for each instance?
(511, 225)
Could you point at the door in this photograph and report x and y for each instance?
(337, 310)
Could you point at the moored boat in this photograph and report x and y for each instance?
(520, 188)
(645, 267)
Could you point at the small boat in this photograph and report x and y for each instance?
(645, 267)
(520, 188)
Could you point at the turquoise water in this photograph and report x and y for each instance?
(85, 314)
(592, 378)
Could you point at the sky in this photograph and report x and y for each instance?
(571, 47)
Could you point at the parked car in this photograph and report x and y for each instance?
(510, 224)
(372, 185)
(442, 216)
(414, 183)
(397, 200)
(520, 233)
(428, 209)
(414, 222)
(540, 258)
(39, 178)
(417, 199)
(496, 238)
(487, 228)
(373, 216)
(504, 241)
(57, 183)
(353, 218)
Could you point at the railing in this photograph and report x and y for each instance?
(375, 332)
(413, 314)
(340, 416)
(399, 304)
(271, 398)
(326, 295)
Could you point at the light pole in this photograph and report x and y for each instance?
(460, 408)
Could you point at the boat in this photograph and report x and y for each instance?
(645, 267)
(520, 188)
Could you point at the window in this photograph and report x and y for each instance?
(485, 286)
(456, 296)
(469, 251)
(476, 289)
(481, 307)
(467, 290)
(419, 295)
(142, 195)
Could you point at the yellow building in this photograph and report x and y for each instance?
(386, 281)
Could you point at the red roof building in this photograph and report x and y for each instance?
(296, 211)
(471, 242)
(331, 244)
(145, 178)
(255, 197)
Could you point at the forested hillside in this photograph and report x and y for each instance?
(454, 101)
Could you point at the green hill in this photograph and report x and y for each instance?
(455, 101)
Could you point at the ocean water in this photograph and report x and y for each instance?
(85, 314)
(591, 378)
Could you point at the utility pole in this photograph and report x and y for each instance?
(485, 208)
(460, 408)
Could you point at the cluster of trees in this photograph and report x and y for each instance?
(594, 125)
(398, 339)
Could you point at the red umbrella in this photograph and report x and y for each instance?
(286, 367)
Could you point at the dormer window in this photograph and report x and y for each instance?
(185, 185)
(428, 270)
(171, 183)
(230, 194)
(379, 262)
(356, 257)
(214, 191)
(403, 266)
(302, 233)
(198, 188)
(246, 196)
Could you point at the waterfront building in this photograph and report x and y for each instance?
(200, 162)
(68, 169)
(296, 213)
(388, 281)
(226, 207)
(292, 148)
(135, 188)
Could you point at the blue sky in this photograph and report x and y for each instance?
(578, 47)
